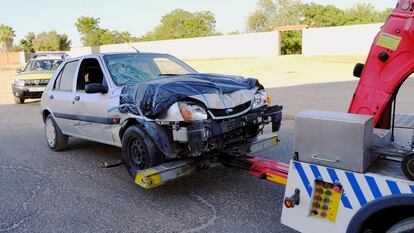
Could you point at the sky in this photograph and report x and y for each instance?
(135, 16)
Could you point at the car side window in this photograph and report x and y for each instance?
(89, 72)
(64, 81)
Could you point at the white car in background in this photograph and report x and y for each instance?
(32, 80)
(155, 107)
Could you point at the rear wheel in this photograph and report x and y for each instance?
(139, 151)
(407, 166)
(19, 100)
(56, 140)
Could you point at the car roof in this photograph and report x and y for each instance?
(49, 56)
(118, 53)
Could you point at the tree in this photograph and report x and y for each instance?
(270, 14)
(27, 43)
(51, 41)
(317, 15)
(6, 37)
(183, 24)
(93, 35)
(363, 13)
(88, 28)
(384, 15)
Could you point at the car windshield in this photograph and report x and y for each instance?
(135, 68)
(43, 65)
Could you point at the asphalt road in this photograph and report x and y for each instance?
(45, 191)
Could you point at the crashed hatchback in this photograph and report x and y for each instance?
(156, 108)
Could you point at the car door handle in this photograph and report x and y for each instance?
(51, 97)
(77, 98)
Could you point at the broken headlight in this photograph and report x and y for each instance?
(192, 111)
(261, 99)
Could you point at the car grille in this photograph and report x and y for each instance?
(36, 82)
(230, 111)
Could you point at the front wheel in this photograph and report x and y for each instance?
(139, 151)
(56, 140)
(19, 100)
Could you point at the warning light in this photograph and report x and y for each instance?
(288, 203)
(291, 202)
(268, 100)
(336, 189)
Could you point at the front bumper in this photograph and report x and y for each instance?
(234, 135)
(28, 92)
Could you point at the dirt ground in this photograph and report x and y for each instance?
(284, 71)
(7, 74)
(272, 72)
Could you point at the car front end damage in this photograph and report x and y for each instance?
(234, 136)
(204, 115)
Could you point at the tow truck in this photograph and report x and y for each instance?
(350, 172)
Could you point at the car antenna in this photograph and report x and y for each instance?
(133, 47)
(127, 41)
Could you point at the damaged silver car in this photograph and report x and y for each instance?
(156, 108)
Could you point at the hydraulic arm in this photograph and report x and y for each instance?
(389, 63)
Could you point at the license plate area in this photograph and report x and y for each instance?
(325, 201)
(36, 89)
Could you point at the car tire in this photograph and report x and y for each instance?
(55, 139)
(19, 100)
(139, 151)
(407, 166)
(405, 226)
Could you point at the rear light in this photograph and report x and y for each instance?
(292, 201)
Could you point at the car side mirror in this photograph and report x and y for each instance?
(93, 88)
(18, 71)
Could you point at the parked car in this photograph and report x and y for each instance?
(155, 107)
(32, 80)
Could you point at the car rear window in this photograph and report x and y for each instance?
(64, 81)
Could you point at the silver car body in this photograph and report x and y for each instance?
(96, 117)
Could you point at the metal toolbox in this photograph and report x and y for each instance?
(333, 139)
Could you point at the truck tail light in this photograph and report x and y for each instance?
(292, 201)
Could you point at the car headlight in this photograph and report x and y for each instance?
(261, 99)
(19, 82)
(192, 112)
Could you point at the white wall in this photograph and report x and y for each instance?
(244, 45)
(80, 51)
(344, 40)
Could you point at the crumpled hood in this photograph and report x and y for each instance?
(213, 90)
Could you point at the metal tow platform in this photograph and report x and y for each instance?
(158, 175)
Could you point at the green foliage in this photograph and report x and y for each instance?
(269, 14)
(291, 42)
(317, 15)
(183, 24)
(363, 13)
(27, 43)
(93, 35)
(274, 13)
(6, 37)
(46, 41)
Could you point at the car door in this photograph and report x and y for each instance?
(93, 108)
(61, 98)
